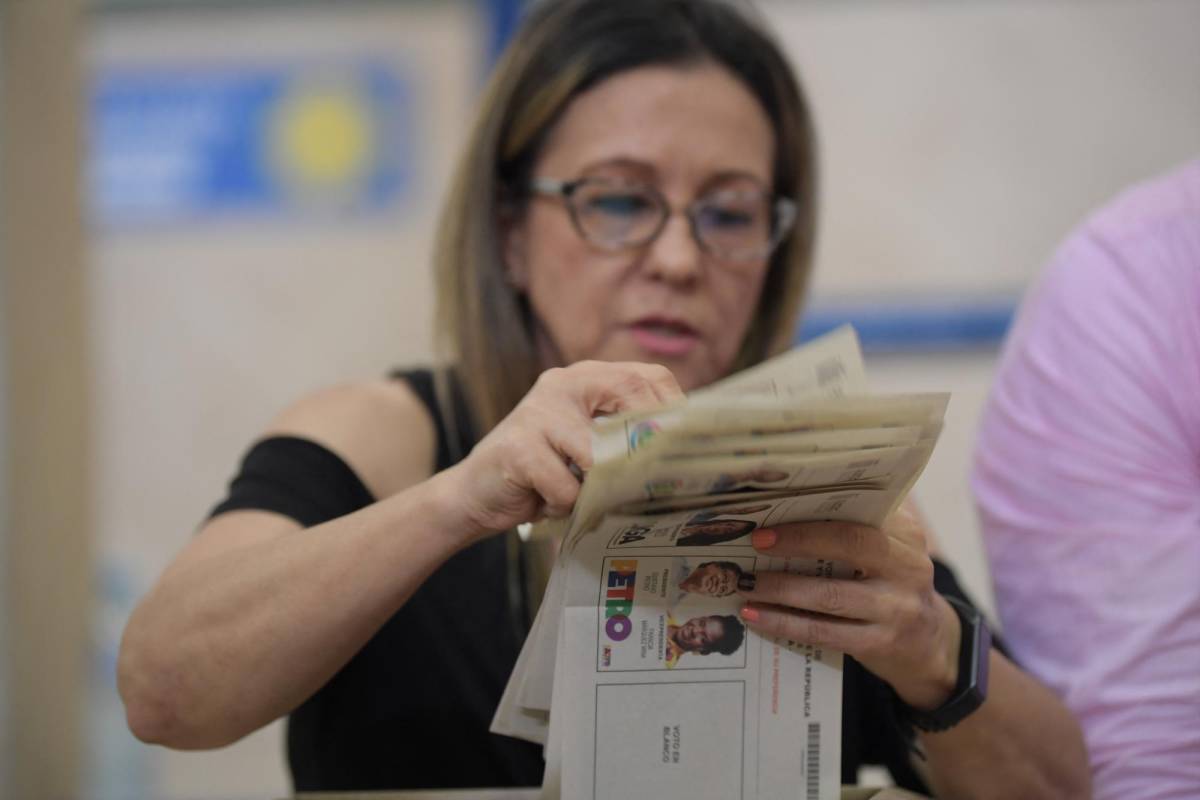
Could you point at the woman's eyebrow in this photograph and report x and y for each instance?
(648, 173)
(730, 175)
(621, 162)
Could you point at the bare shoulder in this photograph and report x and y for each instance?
(380, 428)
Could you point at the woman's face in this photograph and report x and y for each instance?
(711, 579)
(699, 633)
(689, 132)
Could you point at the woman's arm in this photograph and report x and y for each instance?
(1021, 743)
(256, 613)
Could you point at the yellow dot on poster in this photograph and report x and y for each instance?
(323, 137)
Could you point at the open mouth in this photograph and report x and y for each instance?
(660, 336)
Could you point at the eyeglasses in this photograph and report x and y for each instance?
(736, 223)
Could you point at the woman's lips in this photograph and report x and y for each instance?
(663, 337)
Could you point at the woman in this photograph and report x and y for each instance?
(711, 578)
(632, 219)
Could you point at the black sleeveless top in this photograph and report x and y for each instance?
(411, 710)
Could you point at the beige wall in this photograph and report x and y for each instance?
(202, 331)
(5, 728)
(961, 139)
(46, 512)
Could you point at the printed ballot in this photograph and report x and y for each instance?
(638, 677)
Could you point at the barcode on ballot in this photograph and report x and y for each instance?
(812, 790)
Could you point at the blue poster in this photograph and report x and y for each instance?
(190, 144)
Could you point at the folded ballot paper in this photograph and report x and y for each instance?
(638, 676)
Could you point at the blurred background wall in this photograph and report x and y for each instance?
(46, 525)
(263, 182)
(262, 178)
(6, 741)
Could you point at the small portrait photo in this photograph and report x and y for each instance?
(694, 579)
(711, 640)
(737, 481)
(705, 529)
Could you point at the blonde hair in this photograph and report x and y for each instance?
(565, 47)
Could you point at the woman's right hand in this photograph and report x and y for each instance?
(520, 471)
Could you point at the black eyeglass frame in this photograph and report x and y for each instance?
(783, 210)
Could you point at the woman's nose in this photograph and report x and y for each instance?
(674, 255)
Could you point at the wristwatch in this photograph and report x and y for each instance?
(971, 688)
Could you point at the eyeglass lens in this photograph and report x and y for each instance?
(734, 222)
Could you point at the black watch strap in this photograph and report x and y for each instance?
(970, 690)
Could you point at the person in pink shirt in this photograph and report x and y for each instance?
(1087, 479)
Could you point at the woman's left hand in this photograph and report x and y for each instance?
(888, 617)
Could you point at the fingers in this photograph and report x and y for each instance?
(662, 382)
(862, 546)
(573, 441)
(907, 525)
(807, 628)
(897, 547)
(908, 639)
(851, 616)
(558, 489)
(609, 388)
(830, 596)
(533, 460)
(568, 398)
(889, 617)
(547, 475)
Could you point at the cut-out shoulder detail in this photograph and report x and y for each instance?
(380, 428)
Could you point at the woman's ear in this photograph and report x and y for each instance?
(516, 269)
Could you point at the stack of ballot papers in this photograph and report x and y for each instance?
(639, 677)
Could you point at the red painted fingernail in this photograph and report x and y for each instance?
(750, 614)
(764, 539)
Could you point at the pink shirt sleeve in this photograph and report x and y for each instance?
(1087, 479)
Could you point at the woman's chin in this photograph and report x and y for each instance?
(692, 370)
